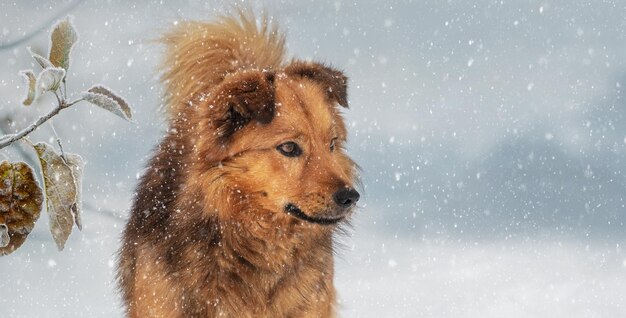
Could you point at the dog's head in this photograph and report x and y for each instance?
(277, 138)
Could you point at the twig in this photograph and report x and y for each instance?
(5, 122)
(59, 100)
(9, 139)
(54, 131)
(74, 102)
(63, 104)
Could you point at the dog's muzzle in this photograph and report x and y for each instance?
(345, 199)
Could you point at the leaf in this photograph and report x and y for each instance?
(42, 61)
(32, 84)
(60, 191)
(105, 98)
(77, 164)
(20, 204)
(62, 39)
(49, 80)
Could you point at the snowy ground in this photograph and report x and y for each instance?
(377, 276)
(393, 277)
(492, 137)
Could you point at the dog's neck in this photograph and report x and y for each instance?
(270, 258)
(243, 232)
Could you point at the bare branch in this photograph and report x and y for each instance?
(5, 124)
(54, 131)
(9, 139)
(74, 102)
(59, 100)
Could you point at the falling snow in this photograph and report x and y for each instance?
(491, 137)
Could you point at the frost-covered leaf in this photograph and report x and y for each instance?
(62, 39)
(60, 191)
(77, 164)
(31, 80)
(49, 80)
(20, 204)
(42, 61)
(105, 98)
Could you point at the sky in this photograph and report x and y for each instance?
(491, 137)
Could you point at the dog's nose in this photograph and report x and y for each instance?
(346, 197)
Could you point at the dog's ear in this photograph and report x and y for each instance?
(243, 97)
(334, 82)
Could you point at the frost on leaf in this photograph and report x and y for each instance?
(42, 61)
(49, 80)
(105, 98)
(60, 189)
(20, 204)
(32, 83)
(62, 39)
(77, 165)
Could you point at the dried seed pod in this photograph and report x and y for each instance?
(20, 204)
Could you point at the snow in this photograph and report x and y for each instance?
(377, 276)
(491, 136)
(483, 279)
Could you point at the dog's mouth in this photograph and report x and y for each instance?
(294, 211)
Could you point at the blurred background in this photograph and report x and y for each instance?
(491, 134)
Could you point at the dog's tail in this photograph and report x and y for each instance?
(199, 55)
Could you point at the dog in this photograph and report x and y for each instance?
(236, 213)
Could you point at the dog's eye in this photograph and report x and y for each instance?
(289, 149)
(332, 144)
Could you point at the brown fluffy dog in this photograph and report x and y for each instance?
(235, 214)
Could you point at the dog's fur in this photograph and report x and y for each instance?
(223, 223)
